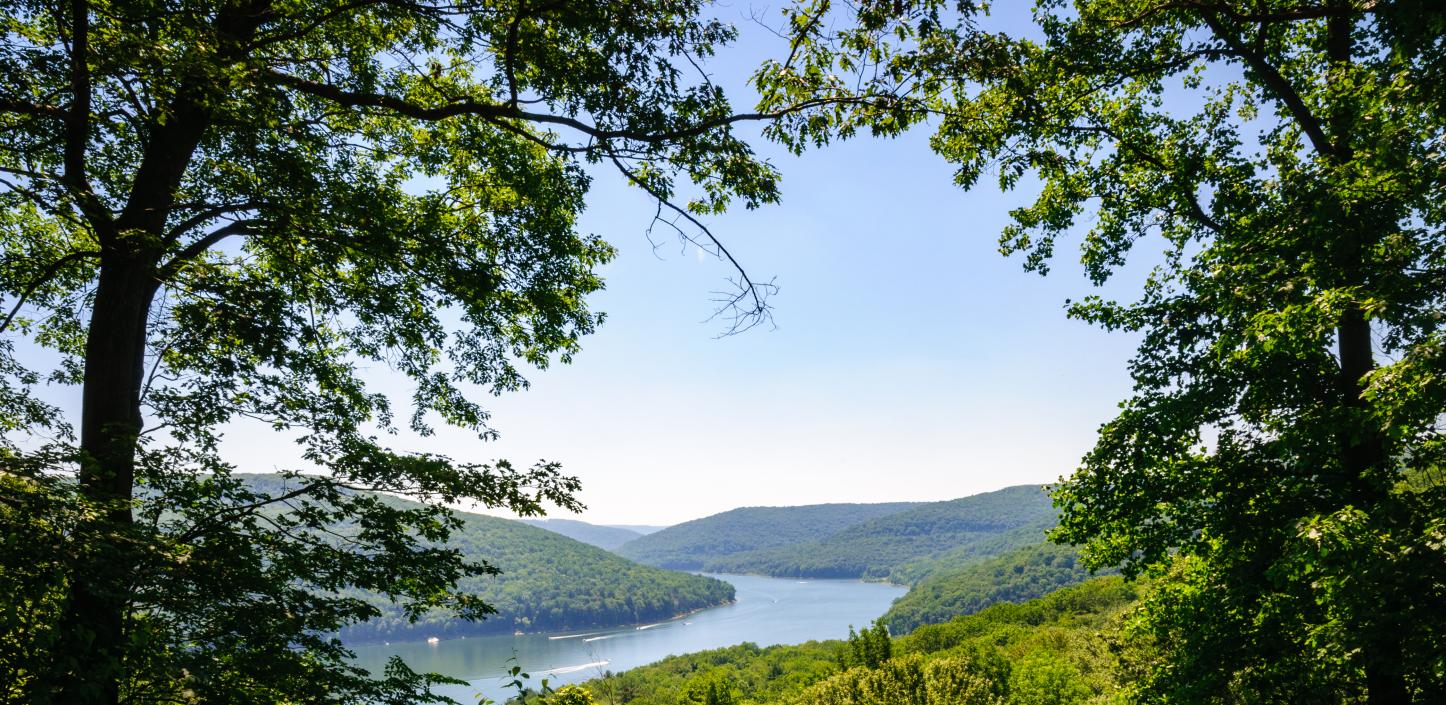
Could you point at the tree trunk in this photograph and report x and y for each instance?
(93, 635)
(1364, 456)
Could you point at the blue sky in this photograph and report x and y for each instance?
(911, 361)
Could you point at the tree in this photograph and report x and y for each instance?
(224, 211)
(1278, 457)
(867, 649)
(711, 689)
(570, 695)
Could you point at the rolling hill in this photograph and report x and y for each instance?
(1017, 576)
(907, 545)
(695, 544)
(549, 582)
(608, 537)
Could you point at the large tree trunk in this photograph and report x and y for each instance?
(1363, 448)
(93, 627)
(1363, 461)
(91, 663)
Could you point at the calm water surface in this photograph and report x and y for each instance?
(768, 611)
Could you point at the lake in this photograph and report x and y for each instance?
(767, 611)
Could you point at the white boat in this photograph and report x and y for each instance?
(432, 640)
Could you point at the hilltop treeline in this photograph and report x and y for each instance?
(701, 543)
(897, 542)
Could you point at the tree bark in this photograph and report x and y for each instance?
(91, 655)
(93, 626)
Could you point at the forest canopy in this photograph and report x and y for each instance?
(214, 213)
(1277, 461)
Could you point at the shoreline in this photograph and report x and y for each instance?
(578, 631)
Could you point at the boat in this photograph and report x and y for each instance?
(432, 640)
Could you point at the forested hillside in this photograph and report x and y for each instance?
(608, 537)
(548, 583)
(1057, 650)
(1019, 575)
(695, 544)
(904, 546)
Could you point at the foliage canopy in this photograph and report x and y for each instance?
(1279, 456)
(215, 212)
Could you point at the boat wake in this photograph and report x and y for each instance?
(574, 669)
(650, 626)
(600, 638)
(570, 636)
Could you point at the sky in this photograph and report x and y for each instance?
(909, 360)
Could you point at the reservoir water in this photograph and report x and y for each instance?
(767, 611)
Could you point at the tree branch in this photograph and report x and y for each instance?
(1191, 202)
(1277, 84)
(745, 317)
(45, 276)
(496, 113)
(77, 121)
(205, 215)
(20, 107)
(195, 249)
(1292, 14)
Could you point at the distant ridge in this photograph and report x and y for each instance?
(641, 529)
(694, 544)
(608, 537)
(904, 546)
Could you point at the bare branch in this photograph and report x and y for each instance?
(749, 306)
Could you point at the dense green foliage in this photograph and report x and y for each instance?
(1017, 576)
(1066, 648)
(755, 674)
(910, 542)
(1057, 650)
(608, 537)
(548, 582)
(239, 211)
(869, 648)
(1276, 169)
(695, 544)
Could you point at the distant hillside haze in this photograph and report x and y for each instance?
(640, 529)
(608, 537)
(695, 544)
(904, 546)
